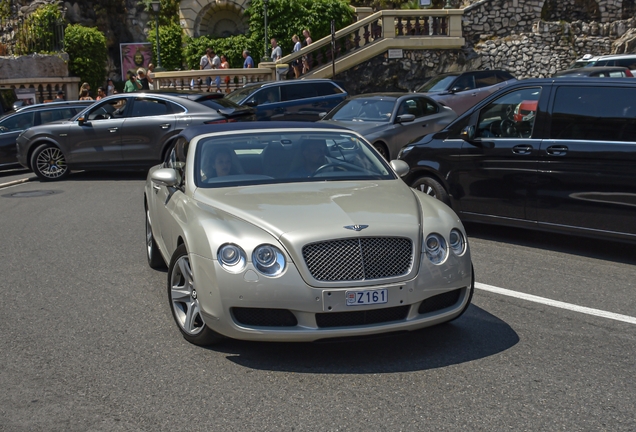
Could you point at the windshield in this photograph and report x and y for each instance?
(364, 110)
(438, 84)
(289, 156)
(240, 94)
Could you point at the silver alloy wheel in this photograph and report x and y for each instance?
(50, 163)
(183, 297)
(427, 189)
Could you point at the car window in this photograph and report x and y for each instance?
(176, 109)
(594, 113)
(267, 95)
(362, 109)
(112, 108)
(485, 79)
(428, 107)
(18, 122)
(412, 106)
(298, 91)
(56, 114)
(509, 116)
(241, 94)
(327, 89)
(629, 63)
(287, 157)
(437, 84)
(503, 76)
(143, 107)
(464, 82)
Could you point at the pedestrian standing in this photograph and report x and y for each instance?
(141, 77)
(277, 52)
(100, 93)
(305, 60)
(297, 63)
(132, 85)
(248, 63)
(150, 70)
(110, 87)
(206, 64)
(226, 65)
(216, 64)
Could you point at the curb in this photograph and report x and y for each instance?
(14, 182)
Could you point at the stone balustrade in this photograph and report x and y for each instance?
(196, 79)
(46, 88)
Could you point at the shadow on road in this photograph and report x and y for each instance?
(477, 334)
(15, 172)
(564, 243)
(107, 175)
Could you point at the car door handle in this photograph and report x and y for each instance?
(557, 150)
(165, 126)
(113, 129)
(425, 124)
(522, 149)
(157, 188)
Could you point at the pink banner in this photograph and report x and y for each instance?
(134, 56)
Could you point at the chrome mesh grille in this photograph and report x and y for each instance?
(359, 258)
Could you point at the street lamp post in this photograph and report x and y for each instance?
(265, 56)
(156, 7)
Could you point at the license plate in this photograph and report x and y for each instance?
(367, 297)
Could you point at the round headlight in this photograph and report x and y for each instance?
(232, 258)
(435, 247)
(268, 260)
(457, 242)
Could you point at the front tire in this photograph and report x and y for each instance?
(49, 163)
(155, 260)
(433, 188)
(182, 294)
(383, 150)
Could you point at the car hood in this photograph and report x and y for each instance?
(363, 128)
(299, 213)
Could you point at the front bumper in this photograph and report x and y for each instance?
(437, 294)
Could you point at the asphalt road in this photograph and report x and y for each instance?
(87, 342)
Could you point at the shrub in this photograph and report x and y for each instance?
(87, 52)
(39, 33)
(171, 44)
(232, 47)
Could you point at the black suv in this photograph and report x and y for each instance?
(298, 100)
(548, 154)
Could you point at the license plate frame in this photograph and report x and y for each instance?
(366, 297)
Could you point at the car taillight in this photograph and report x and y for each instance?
(231, 120)
(628, 73)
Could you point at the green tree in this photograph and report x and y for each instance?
(38, 33)
(288, 17)
(87, 52)
(168, 14)
(231, 47)
(170, 43)
(5, 9)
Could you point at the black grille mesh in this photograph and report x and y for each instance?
(261, 317)
(359, 259)
(358, 318)
(440, 301)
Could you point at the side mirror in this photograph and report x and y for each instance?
(455, 90)
(405, 118)
(251, 103)
(83, 122)
(400, 167)
(322, 114)
(468, 133)
(165, 177)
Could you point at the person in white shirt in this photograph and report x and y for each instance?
(277, 52)
(216, 64)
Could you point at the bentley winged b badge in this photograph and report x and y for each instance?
(356, 227)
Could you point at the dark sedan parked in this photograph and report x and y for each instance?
(391, 120)
(298, 100)
(548, 154)
(463, 90)
(14, 123)
(132, 130)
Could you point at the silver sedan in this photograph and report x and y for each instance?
(299, 232)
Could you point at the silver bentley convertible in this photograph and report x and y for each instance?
(299, 232)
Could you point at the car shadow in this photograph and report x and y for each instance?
(477, 334)
(564, 243)
(14, 172)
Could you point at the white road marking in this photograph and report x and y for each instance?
(13, 183)
(555, 303)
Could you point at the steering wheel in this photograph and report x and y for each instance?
(509, 129)
(335, 166)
